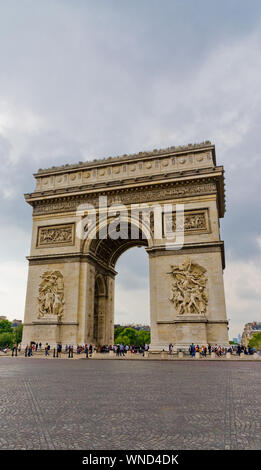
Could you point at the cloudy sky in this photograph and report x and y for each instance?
(86, 79)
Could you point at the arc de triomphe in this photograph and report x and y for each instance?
(70, 290)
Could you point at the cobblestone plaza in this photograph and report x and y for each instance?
(129, 405)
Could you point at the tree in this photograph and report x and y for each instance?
(5, 326)
(143, 337)
(118, 331)
(18, 333)
(6, 340)
(131, 336)
(127, 336)
(255, 341)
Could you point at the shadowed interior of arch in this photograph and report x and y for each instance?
(109, 249)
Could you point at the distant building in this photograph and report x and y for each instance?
(235, 340)
(2, 317)
(134, 326)
(249, 330)
(16, 323)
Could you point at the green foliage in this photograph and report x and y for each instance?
(255, 341)
(5, 326)
(9, 335)
(143, 337)
(18, 332)
(6, 339)
(131, 336)
(232, 342)
(118, 331)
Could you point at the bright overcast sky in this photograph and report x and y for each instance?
(87, 79)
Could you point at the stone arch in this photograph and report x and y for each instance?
(108, 250)
(103, 255)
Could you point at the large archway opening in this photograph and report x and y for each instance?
(127, 256)
(132, 288)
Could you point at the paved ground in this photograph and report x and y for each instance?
(88, 404)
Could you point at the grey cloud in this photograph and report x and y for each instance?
(133, 270)
(87, 79)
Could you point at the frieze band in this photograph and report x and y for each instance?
(137, 195)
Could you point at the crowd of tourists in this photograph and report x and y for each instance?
(118, 349)
(219, 351)
(88, 349)
(122, 350)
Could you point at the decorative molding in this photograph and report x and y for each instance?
(190, 248)
(55, 235)
(126, 196)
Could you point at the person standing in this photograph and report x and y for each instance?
(122, 350)
(59, 349)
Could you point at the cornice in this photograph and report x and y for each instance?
(190, 248)
(182, 149)
(77, 257)
(137, 181)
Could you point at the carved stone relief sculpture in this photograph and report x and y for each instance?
(189, 288)
(51, 295)
(55, 235)
(192, 222)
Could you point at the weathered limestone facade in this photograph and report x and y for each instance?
(70, 291)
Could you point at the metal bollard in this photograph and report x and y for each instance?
(53, 352)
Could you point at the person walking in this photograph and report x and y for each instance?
(192, 350)
(46, 350)
(30, 350)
